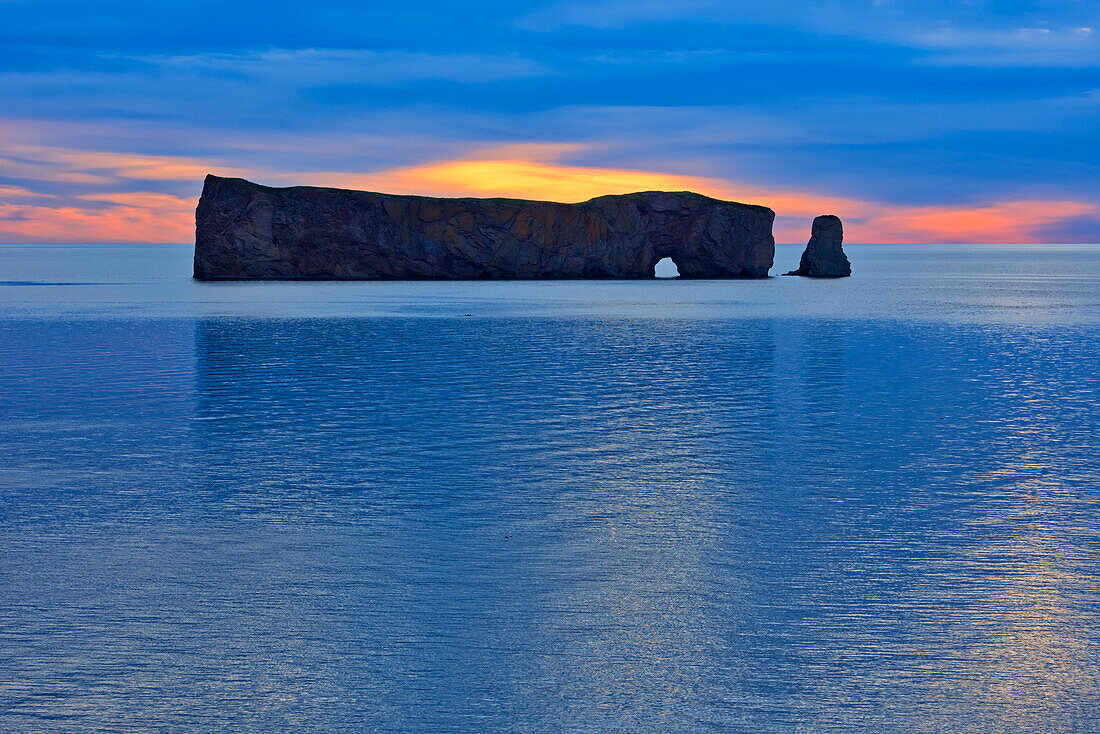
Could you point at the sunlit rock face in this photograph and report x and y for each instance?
(244, 230)
(824, 255)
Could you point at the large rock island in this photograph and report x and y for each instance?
(244, 230)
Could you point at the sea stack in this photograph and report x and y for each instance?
(247, 231)
(824, 257)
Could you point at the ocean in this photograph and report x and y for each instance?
(787, 505)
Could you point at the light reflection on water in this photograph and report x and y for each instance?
(588, 521)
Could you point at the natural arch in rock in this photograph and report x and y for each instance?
(666, 268)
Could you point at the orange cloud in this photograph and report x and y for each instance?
(158, 219)
(18, 192)
(1004, 222)
(83, 166)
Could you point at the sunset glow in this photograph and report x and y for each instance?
(914, 122)
(529, 172)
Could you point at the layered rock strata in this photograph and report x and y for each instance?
(248, 231)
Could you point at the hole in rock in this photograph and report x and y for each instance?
(665, 268)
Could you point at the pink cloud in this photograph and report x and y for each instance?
(153, 218)
(1005, 222)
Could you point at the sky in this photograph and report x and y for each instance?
(913, 120)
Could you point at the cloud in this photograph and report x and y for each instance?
(952, 37)
(988, 35)
(913, 118)
(148, 218)
(1072, 47)
(303, 67)
(40, 171)
(84, 166)
(1002, 222)
(16, 193)
(611, 14)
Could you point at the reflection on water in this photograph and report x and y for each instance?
(547, 524)
(573, 510)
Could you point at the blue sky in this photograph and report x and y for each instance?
(916, 121)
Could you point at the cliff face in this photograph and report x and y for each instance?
(244, 230)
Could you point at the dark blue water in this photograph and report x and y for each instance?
(866, 505)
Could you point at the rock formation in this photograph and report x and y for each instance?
(824, 257)
(244, 230)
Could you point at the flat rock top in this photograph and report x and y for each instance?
(657, 200)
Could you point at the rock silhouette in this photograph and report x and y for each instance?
(247, 231)
(824, 257)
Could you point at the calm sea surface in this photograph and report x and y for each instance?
(861, 505)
